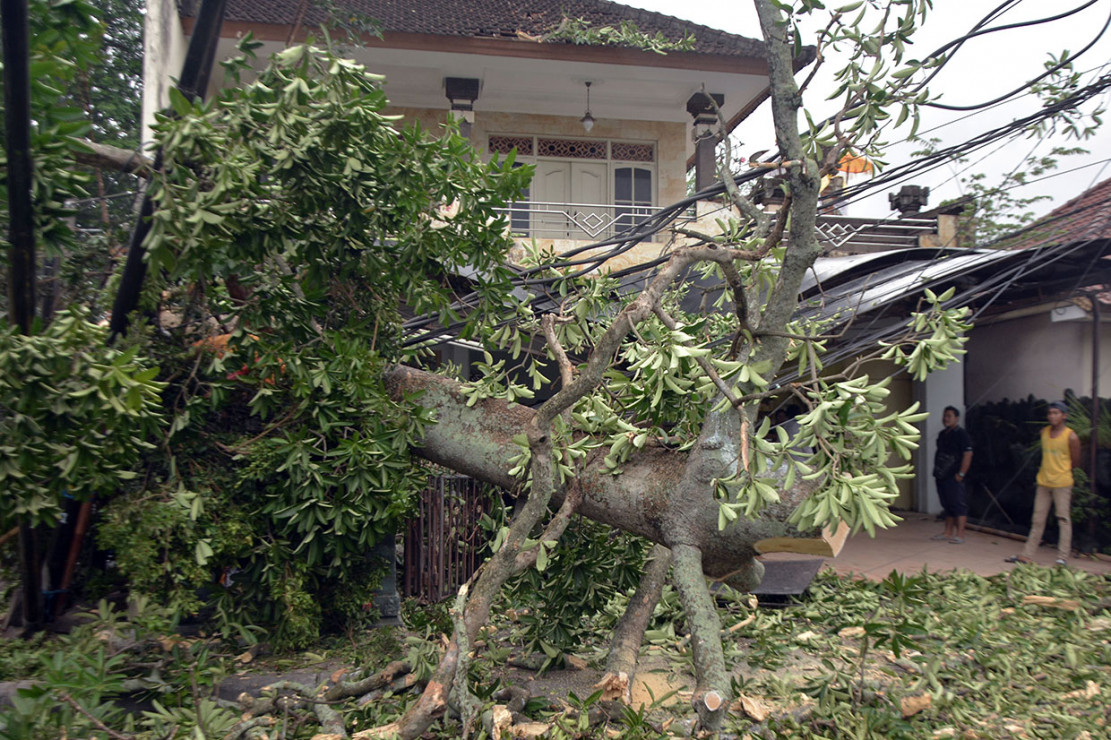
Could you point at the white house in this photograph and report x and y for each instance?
(610, 129)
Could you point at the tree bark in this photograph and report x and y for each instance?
(712, 690)
(628, 635)
(655, 496)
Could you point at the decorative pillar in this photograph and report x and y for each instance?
(706, 137)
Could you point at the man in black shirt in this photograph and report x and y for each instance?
(951, 461)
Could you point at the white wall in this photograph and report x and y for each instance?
(163, 53)
(941, 388)
(1036, 354)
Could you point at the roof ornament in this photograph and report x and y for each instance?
(909, 200)
(588, 120)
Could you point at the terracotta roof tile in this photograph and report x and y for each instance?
(1085, 217)
(488, 18)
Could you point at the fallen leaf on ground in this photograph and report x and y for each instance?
(851, 632)
(1090, 691)
(1051, 602)
(751, 706)
(912, 705)
(169, 642)
(743, 623)
(529, 730)
(1100, 623)
(574, 661)
(806, 636)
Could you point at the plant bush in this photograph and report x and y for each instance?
(283, 211)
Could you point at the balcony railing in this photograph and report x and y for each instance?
(579, 221)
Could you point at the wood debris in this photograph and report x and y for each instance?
(503, 718)
(615, 687)
(851, 632)
(529, 730)
(742, 624)
(1100, 623)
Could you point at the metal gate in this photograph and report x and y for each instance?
(444, 541)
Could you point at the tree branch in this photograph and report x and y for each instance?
(104, 156)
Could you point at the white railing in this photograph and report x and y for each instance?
(578, 221)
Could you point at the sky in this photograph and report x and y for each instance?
(984, 68)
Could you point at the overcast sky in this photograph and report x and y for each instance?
(983, 69)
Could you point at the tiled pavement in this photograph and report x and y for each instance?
(908, 549)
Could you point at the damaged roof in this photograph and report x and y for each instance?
(1087, 216)
(501, 19)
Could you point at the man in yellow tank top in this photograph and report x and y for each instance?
(1060, 454)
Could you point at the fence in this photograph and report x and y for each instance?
(444, 542)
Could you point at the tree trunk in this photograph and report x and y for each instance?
(655, 496)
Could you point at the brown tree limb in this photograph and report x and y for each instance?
(555, 528)
(712, 689)
(617, 683)
(244, 726)
(104, 156)
(347, 689)
(743, 204)
(331, 721)
(566, 372)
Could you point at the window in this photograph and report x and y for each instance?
(632, 194)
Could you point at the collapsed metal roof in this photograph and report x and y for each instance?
(870, 297)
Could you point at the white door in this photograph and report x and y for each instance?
(567, 196)
(589, 194)
(551, 188)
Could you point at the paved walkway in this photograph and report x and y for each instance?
(908, 548)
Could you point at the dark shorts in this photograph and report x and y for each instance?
(952, 495)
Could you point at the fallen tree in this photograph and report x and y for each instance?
(652, 422)
(284, 210)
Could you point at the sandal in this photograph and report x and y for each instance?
(1017, 559)
(940, 537)
(957, 541)
(1062, 561)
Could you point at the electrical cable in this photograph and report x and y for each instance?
(941, 156)
(653, 225)
(1050, 71)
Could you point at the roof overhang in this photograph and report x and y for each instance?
(520, 76)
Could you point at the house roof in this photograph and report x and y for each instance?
(1085, 217)
(497, 19)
